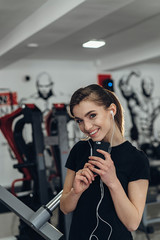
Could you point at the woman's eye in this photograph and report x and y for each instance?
(78, 121)
(93, 115)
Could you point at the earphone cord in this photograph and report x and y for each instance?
(113, 131)
(102, 195)
(98, 216)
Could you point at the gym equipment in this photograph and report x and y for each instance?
(147, 223)
(56, 124)
(32, 165)
(38, 220)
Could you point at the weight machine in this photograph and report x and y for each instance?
(33, 167)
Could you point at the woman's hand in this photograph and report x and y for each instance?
(106, 169)
(83, 178)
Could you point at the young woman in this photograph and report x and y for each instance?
(106, 194)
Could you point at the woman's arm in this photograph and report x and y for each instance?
(130, 208)
(69, 198)
(75, 184)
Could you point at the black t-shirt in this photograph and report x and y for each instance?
(131, 164)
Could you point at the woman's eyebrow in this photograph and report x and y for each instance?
(89, 113)
(85, 115)
(77, 118)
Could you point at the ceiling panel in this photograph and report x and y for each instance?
(60, 28)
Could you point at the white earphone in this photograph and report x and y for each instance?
(112, 113)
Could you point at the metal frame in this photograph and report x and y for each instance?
(63, 144)
(145, 220)
(36, 220)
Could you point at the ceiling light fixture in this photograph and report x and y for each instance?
(32, 45)
(94, 44)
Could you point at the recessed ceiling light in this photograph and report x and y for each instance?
(32, 45)
(94, 44)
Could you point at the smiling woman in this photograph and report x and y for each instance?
(106, 194)
(99, 97)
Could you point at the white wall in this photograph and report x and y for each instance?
(67, 75)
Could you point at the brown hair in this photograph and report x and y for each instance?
(101, 97)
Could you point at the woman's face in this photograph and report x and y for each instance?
(93, 120)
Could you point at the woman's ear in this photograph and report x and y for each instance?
(113, 109)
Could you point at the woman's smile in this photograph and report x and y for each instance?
(93, 133)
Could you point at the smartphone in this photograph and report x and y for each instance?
(100, 145)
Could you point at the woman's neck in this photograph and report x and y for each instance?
(118, 138)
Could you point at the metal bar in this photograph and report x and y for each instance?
(64, 152)
(47, 231)
(44, 213)
(39, 150)
(54, 202)
(146, 221)
(153, 220)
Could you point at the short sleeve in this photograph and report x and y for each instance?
(71, 160)
(78, 156)
(140, 168)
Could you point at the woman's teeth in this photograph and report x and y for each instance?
(91, 133)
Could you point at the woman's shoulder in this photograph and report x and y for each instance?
(128, 150)
(140, 168)
(80, 145)
(77, 155)
(138, 151)
(137, 156)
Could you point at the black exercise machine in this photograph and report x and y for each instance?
(30, 157)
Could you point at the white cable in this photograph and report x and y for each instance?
(98, 216)
(110, 147)
(102, 194)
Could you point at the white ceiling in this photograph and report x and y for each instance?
(131, 29)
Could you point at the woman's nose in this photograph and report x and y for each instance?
(87, 125)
